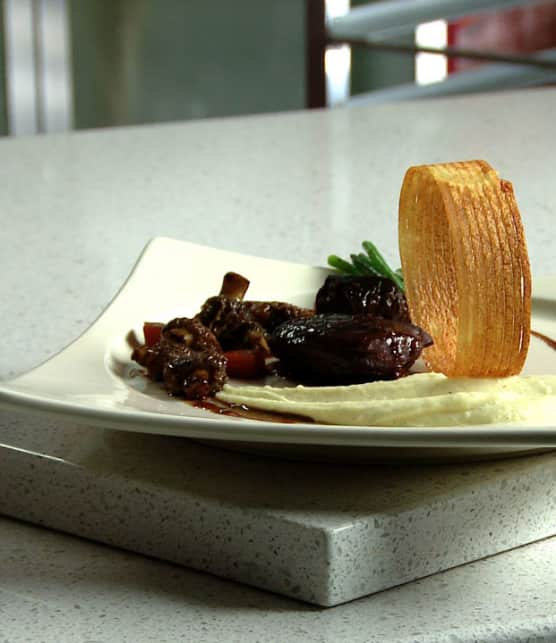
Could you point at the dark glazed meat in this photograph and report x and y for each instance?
(239, 324)
(370, 295)
(347, 349)
(270, 314)
(375, 340)
(232, 324)
(187, 359)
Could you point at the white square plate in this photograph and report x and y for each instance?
(91, 381)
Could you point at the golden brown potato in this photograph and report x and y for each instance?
(466, 268)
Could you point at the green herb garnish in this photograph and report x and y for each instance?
(370, 262)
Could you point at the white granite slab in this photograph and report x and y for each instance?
(59, 589)
(322, 533)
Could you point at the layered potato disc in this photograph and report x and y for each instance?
(466, 268)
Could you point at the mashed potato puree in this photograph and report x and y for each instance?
(423, 399)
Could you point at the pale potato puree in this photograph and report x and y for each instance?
(423, 399)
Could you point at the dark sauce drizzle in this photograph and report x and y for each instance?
(243, 411)
(547, 340)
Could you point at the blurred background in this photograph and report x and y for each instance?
(74, 64)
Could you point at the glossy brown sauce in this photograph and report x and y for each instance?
(242, 410)
(547, 340)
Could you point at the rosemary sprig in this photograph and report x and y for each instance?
(371, 263)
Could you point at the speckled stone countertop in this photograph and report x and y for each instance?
(76, 212)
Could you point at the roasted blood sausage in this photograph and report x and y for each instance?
(369, 295)
(246, 324)
(347, 349)
(239, 324)
(232, 324)
(188, 359)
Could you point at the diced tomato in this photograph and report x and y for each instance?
(152, 332)
(245, 363)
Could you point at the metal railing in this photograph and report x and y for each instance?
(391, 18)
(376, 26)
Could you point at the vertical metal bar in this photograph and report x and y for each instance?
(3, 88)
(39, 65)
(315, 30)
(21, 96)
(38, 79)
(54, 65)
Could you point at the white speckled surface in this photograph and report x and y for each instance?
(322, 533)
(296, 186)
(59, 588)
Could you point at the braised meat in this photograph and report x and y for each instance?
(361, 333)
(270, 314)
(232, 324)
(239, 324)
(188, 359)
(370, 295)
(346, 349)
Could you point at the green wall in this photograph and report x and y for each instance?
(138, 61)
